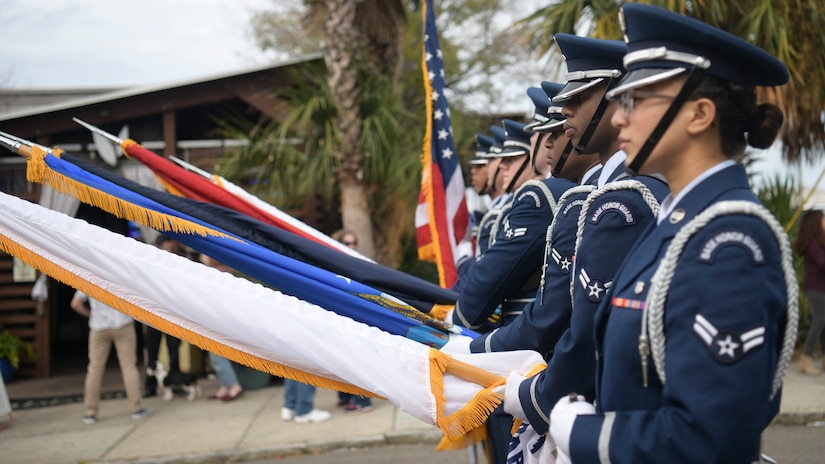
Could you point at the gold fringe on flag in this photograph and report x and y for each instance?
(474, 414)
(38, 171)
(459, 427)
(440, 311)
(184, 333)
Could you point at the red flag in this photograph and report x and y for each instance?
(441, 218)
(194, 186)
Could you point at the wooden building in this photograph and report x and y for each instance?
(179, 119)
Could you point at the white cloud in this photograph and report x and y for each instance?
(91, 43)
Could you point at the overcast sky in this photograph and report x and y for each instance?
(104, 43)
(93, 43)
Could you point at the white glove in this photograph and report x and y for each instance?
(463, 250)
(457, 344)
(512, 403)
(562, 417)
(562, 458)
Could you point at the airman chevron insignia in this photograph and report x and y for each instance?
(727, 347)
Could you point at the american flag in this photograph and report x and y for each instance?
(441, 219)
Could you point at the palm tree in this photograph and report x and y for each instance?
(358, 36)
(791, 30)
(362, 43)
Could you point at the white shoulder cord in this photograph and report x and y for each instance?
(629, 184)
(653, 318)
(502, 213)
(549, 238)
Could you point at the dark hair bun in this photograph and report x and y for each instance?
(763, 126)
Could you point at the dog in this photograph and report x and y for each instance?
(170, 380)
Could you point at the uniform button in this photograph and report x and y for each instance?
(639, 288)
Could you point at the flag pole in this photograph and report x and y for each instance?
(16, 147)
(97, 130)
(470, 373)
(25, 142)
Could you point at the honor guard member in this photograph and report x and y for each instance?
(510, 276)
(481, 179)
(698, 333)
(495, 188)
(481, 186)
(548, 315)
(506, 277)
(499, 199)
(611, 220)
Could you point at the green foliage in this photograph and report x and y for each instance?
(791, 30)
(285, 162)
(12, 346)
(780, 195)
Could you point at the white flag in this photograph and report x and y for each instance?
(252, 324)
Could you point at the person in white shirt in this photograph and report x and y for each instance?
(108, 326)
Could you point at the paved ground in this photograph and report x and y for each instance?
(247, 429)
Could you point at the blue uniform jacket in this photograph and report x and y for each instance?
(482, 235)
(616, 217)
(724, 320)
(508, 273)
(545, 319)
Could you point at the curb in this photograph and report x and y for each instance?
(275, 452)
(798, 418)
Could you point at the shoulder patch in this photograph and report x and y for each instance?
(569, 206)
(564, 262)
(511, 232)
(724, 239)
(615, 207)
(594, 288)
(725, 346)
(530, 195)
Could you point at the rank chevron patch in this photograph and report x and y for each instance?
(727, 347)
(596, 289)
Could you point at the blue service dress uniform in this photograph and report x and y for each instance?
(548, 315)
(612, 219)
(483, 238)
(508, 273)
(717, 367)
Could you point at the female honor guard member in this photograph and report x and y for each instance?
(693, 344)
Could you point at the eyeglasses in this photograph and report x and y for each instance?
(627, 99)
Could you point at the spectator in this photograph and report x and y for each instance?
(108, 326)
(352, 404)
(299, 399)
(152, 336)
(810, 244)
(230, 388)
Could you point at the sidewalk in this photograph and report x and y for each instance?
(250, 427)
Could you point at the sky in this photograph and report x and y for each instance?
(104, 43)
(111, 43)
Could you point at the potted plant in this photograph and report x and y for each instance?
(11, 347)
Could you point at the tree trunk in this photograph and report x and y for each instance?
(342, 61)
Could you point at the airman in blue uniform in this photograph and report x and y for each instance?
(700, 325)
(611, 219)
(508, 274)
(548, 315)
(482, 187)
(496, 189)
